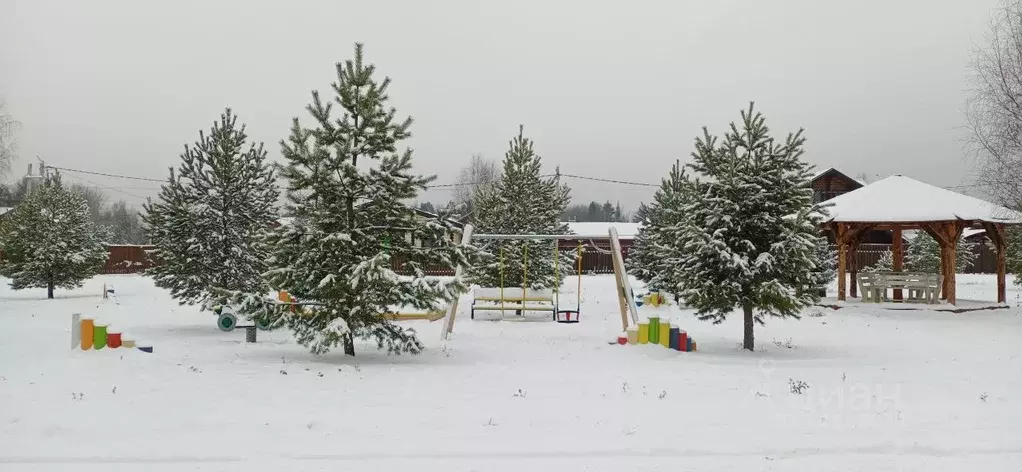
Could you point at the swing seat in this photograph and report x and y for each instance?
(568, 316)
(515, 300)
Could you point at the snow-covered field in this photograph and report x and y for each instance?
(887, 390)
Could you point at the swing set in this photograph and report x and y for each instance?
(504, 299)
(525, 298)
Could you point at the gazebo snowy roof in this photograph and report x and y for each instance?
(900, 199)
(899, 203)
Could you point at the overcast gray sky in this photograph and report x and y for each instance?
(606, 89)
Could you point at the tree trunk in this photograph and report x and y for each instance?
(49, 289)
(750, 324)
(349, 344)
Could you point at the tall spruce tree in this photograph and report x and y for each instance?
(210, 219)
(653, 257)
(50, 241)
(750, 240)
(522, 201)
(349, 189)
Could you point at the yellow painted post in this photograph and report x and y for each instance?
(664, 338)
(644, 333)
(578, 291)
(525, 270)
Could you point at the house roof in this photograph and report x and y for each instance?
(900, 199)
(601, 229)
(834, 172)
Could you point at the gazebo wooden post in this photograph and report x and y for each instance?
(944, 233)
(950, 232)
(898, 256)
(856, 237)
(995, 231)
(839, 237)
(853, 267)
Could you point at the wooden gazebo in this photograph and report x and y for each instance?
(899, 203)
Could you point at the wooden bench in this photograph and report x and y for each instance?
(921, 287)
(513, 299)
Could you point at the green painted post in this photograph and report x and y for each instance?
(99, 337)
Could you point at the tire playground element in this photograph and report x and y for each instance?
(263, 324)
(227, 322)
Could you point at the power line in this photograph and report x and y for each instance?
(105, 174)
(469, 184)
(436, 186)
(107, 188)
(611, 181)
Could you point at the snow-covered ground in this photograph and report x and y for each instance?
(887, 390)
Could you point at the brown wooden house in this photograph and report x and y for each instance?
(831, 183)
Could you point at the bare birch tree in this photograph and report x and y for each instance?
(477, 176)
(8, 144)
(994, 107)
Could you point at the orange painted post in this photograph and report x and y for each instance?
(88, 326)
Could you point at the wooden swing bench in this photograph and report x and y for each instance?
(513, 299)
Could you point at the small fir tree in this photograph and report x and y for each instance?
(349, 190)
(49, 240)
(750, 239)
(211, 216)
(521, 202)
(641, 257)
(653, 255)
(826, 271)
(884, 264)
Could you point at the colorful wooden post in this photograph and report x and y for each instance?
(673, 335)
(88, 326)
(644, 333)
(682, 340)
(664, 338)
(633, 335)
(99, 336)
(76, 330)
(654, 329)
(113, 340)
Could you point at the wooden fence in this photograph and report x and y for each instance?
(128, 259)
(869, 254)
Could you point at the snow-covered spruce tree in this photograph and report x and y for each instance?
(349, 189)
(884, 264)
(657, 241)
(210, 219)
(49, 240)
(641, 258)
(923, 254)
(826, 267)
(750, 238)
(1013, 251)
(521, 202)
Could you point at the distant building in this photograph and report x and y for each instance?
(831, 183)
